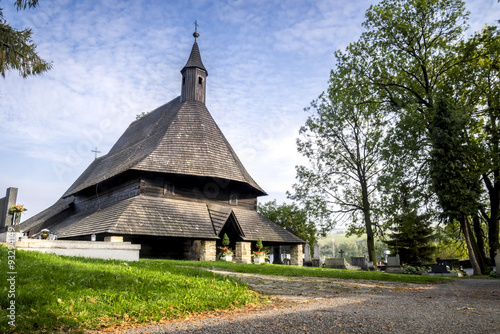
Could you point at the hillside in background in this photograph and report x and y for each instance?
(352, 246)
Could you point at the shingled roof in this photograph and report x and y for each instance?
(179, 138)
(195, 59)
(156, 216)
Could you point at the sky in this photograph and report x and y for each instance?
(112, 60)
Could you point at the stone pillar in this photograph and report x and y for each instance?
(243, 252)
(208, 250)
(7, 202)
(296, 255)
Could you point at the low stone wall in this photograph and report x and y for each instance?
(92, 249)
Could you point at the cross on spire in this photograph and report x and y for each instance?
(95, 151)
(195, 34)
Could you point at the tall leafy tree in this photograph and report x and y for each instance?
(417, 47)
(17, 49)
(342, 139)
(479, 82)
(455, 171)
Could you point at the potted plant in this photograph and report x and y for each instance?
(226, 253)
(259, 256)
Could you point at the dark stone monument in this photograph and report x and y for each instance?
(359, 261)
(277, 255)
(439, 269)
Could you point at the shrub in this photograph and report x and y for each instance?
(414, 270)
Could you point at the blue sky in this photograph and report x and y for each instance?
(267, 60)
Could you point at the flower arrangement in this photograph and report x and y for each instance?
(259, 255)
(225, 251)
(17, 209)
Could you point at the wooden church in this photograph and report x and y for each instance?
(171, 183)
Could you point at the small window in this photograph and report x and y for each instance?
(233, 199)
(200, 80)
(169, 189)
(183, 80)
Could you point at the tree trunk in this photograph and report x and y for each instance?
(464, 225)
(370, 238)
(478, 251)
(479, 233)
(493, 225)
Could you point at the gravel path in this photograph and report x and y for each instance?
(325, 305)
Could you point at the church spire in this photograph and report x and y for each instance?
(194, 74)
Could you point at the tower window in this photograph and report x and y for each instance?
(183, 80)
(233, 199)
(200, 80)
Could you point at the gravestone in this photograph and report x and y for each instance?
(341, 254)
(336, 263)
(316, 262)
(451, 263)
(439, 269)
(307, 256)
(394, 265)
(277, 255)
(359, 261)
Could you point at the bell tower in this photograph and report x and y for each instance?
(194, 75)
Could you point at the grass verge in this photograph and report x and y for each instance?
(266, 269)
(54, 293)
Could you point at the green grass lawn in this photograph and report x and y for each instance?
(60, 293)
(64, 293)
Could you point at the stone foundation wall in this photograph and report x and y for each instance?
(208, 250)
(243, 252)
(296, 255)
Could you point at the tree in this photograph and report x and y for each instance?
(410, 224)
(342, 139)
(480, 80)
(17, 50)
(292, 217)
(455, 171)
(418, 51)
(412, 238)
